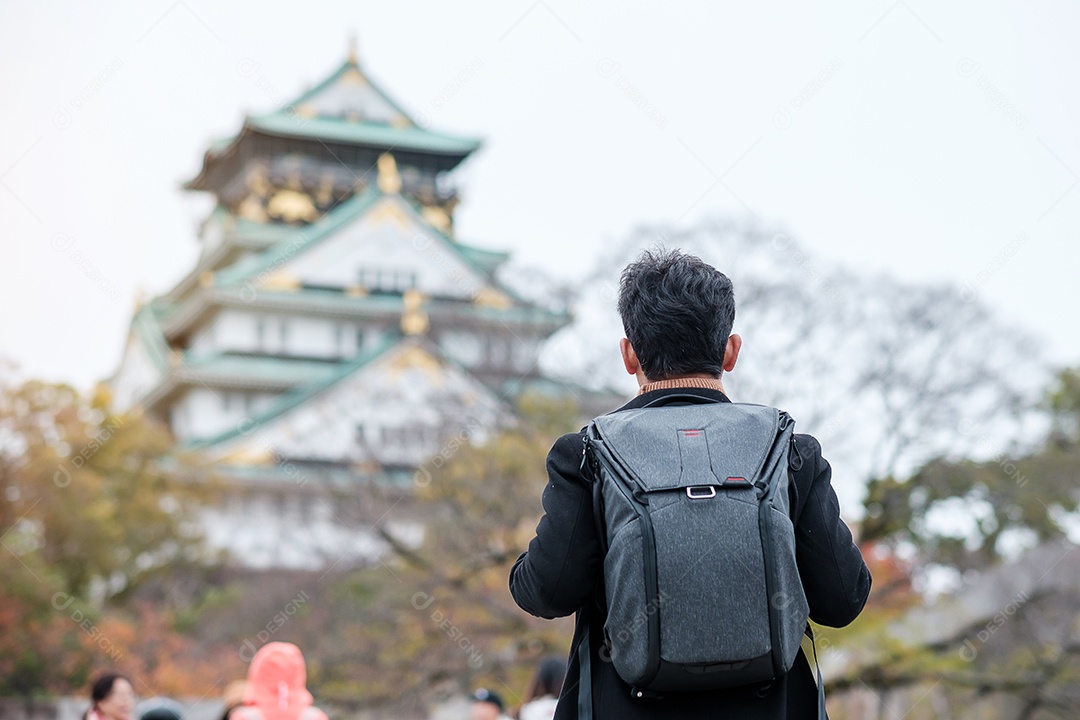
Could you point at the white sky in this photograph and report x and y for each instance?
(917, 137)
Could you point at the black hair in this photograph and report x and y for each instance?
(549, 678)
(103, 685)
(100, 689)
(483, 695)
(677, 312)
(161, 708)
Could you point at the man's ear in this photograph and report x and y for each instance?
(629, 357)
(731, 352)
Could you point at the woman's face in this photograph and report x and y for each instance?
(120, 702)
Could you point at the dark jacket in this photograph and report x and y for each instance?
(558, 575)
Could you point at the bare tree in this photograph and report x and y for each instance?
(890, 373)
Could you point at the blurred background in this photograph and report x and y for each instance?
(891, 186)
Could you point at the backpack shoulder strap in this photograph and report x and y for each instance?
(584, 651)
(822, 715)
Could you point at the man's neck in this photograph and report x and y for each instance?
(688, 381)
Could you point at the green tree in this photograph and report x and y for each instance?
(435, 616)
(91, 509)
(1026, 497)
(95, 495)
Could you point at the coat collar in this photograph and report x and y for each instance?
(661, 394)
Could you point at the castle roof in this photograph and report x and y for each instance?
(349, 108)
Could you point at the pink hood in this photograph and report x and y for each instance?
(277, 682)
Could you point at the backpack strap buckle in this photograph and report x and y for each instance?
(700, 492)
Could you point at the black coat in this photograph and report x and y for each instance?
(558, 575)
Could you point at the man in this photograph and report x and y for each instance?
(677, 313)
(487, 705)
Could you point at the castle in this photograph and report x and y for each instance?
(334, 334)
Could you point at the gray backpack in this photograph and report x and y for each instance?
(700, 579)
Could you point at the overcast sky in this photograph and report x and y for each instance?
(937, 141)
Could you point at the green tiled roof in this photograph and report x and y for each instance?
(147, 328)
(256, 369)
(330, 301)
(237, 227)
(489, 260)
(291, 399)
(349, 107)
(219, 144)
(291, 241)
(296, 240)
(362, 133)
(263, 232)
(348, 90)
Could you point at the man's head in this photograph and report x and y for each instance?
(677, 312)
(486, 705)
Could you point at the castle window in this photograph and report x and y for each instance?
(465, 347)
(389, 280)
(409, 436)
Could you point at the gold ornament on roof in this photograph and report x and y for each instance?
(414, 321)
(492, 298)
(257, 182)
(252, 209)
(353, 76)
(292, 206)
(389, 179)
(324, 194)
(281, 280)
(413, 357)
(386, 211)
(250, 455)
(438, 217)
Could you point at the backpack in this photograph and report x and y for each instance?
(692, 507)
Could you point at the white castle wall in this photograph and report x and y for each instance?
(255, 331)
(137, 376)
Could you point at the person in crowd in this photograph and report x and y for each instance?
(487, 705)
(543, 694)
(233, 697)
(111, 697)
(277, 686)
(160, 708)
